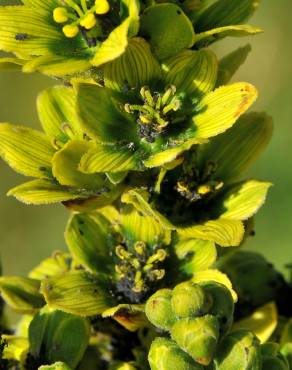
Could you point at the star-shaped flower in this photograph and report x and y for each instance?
(64, 37)
(145, 118)
(204, 197)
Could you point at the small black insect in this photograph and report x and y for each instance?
(21, 36)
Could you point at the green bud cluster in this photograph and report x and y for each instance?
(195, 315)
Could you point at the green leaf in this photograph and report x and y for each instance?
(169, 155)
(78, 292)
(168, 29)
(195, 255)
(242, 201)
(11, 64)
(58, 65)
(117, 41)
(139, 199)
(225, 232)
(87, 237)
(229, 65)
(58, 336)
(57, 113)
(105, 121)
(135, 68)
(225, 13)
(220, 109)
(206, 38)
(144, 228)
(110, 158)
(130, 316)
(261, 322)
(217, 276)
(22, 294)
(239, 147)
(56, 366)
(45, 192)
(57, 264)
(65, 167)
(27, 151)
(192, 72)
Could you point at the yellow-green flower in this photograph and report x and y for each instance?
(146, 118)
(65, 37)
(204, 197)
(53, 157)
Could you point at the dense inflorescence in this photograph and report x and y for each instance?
(146, 142)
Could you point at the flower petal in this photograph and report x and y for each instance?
(225, 232)
(11, 64)
(30, 31)
(242, 201)
(168, 28)
(45, 192)
(192, 72)
(139, 199)
(261, 322)
(206, 38)
(27, 151)
(226, 13)
(76, 292)
(59, 65)
(130, 316)
(217, 276)
(110, 158)
(104, 121)
(47, 331)
(22, 294)
(135, 68)
(65, 167)
(220, 109)
(168, 155)
(144, 228)
(117, 41)
(229, 64)
(239, 147)
(57, 113)
(57, 264)
(88, 241)
(195, 255)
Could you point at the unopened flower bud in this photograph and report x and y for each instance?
(159, 311)
(239, 350)
(165, 354)
(188, 299)
(198, 337)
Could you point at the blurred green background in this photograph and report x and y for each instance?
(29, 233)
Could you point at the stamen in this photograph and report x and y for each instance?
(89, 21)
(70, 30)
(156, 113)
(102, 7)
(60, 15)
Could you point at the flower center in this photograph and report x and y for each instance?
(156, 113)
(138, 269)
(195, 185)
(80, 16)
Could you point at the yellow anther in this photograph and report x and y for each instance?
(145, 120)
(70, 31)
(89, 21)
(204, 189)
(102, 7)
(60, 15)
